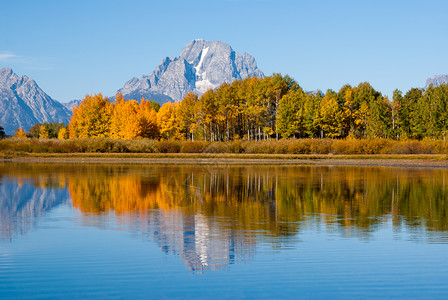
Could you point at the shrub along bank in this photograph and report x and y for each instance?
(283, 146)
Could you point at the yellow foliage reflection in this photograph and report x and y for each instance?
(272, 199)
(214, 215)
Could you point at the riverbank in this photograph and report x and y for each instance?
(389, 160)
(20, 146)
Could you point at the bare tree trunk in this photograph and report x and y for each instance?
(217, 133)
(276, 115)
(227, 130)
(211, 132)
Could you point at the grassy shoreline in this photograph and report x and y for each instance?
(16, 146)
(390, 160)
(223, 155)
(290, 151)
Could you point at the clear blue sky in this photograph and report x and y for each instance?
(74, 48)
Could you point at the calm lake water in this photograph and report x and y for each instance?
(158, 231)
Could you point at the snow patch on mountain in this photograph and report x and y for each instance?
(201, 60)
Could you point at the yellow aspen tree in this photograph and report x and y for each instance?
(207, 112)
(290, 114)
(331, 116)
(176, 127)
(91, 118)
(186, 116)
(117, 120)
(63, 133)
(125, 120)
(148, 120)
(74, 126)
(132, 126)
(165, 119)
(43, 132)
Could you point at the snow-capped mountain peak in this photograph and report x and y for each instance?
(201, 65)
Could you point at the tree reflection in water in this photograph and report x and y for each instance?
(214, 215)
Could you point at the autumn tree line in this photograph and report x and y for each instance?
(47, 130)
(261, 109)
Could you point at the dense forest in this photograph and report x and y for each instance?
(261, 109)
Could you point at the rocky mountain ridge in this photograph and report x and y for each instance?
(436, 80)
(23, 103)
(72, 104)
(201, 65)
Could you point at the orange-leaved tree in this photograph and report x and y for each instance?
(20, 133)
(125, 119)
(148, 120)
(131, 120)
(91, 118)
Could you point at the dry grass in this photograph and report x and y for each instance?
(284, 147)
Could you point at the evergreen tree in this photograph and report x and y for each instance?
(2, 132)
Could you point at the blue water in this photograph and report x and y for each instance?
(51, 249)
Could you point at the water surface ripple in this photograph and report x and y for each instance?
(165, 231)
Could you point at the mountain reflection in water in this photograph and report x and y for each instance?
(212, 216)
(24, 199)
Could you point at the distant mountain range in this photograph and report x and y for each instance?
(23, 103)
(201, 65)
(436, 80)
(72, 104)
